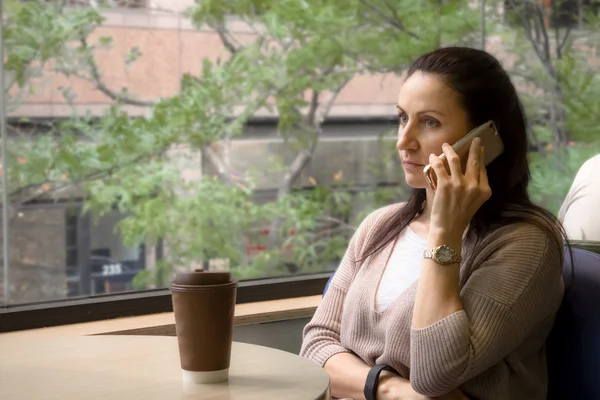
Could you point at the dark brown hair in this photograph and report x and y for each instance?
(487, 93)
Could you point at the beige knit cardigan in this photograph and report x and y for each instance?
(494, 349)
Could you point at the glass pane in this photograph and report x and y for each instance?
(113, 265)
(156, 143)
(37, 254)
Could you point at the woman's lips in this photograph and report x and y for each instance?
(412, 165)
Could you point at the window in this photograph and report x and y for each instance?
(135, 151)
(57, 253)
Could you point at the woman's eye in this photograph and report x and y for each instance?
(431, 123)
(403, 119)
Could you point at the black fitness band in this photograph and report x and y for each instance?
(373, 380)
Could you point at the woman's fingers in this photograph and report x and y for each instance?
(474, 161)
(474, 182)
(483, 177)
(453, 160)
(438, 167)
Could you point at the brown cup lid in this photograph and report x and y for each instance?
(201, 278)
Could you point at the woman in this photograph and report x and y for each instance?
(472, 328)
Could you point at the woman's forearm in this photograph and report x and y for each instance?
(438, 293)
(347, 374)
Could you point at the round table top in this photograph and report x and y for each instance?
(146, 367)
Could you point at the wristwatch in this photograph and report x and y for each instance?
(443, 255)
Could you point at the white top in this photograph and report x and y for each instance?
(579, 212)
(402, 269)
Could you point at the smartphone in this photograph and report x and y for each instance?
(490, 140)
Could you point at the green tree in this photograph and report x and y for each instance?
(302, 55)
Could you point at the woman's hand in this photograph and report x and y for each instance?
(458, 196)
(394, 387)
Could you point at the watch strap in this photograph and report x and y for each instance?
(372, 381)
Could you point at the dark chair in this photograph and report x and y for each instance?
(588, 245)
(573, 347)
(328, 282)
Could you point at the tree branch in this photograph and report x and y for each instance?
(560, 44)
(324, 111)
(96, 78)
(313, 107)
(527, 28)
(251, 109)
(544, 31)
(395, 21)
(217, 162)
(305, 155)
(224, 35)
(32, 191)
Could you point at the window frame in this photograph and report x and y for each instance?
(103, 307)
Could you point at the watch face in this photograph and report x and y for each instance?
(444, 254)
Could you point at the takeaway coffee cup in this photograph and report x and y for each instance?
(204, 304)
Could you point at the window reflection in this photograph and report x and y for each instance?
(38, 270)
(124, 120)
(113, 266)
(57, 253)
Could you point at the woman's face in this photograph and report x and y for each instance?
(430, 114)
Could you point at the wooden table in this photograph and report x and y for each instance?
(146, 367)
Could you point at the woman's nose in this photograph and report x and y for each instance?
(406, 138)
